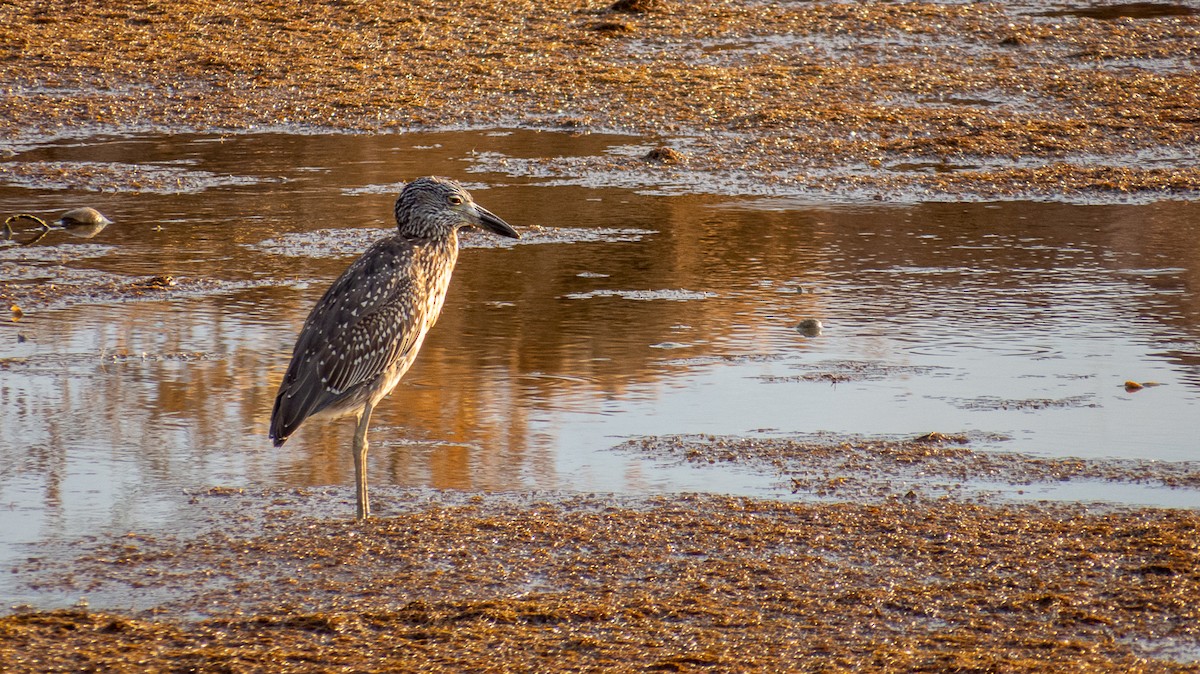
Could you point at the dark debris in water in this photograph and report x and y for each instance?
(851, 467)
(637, 6)
(67, 288)
(15, 259)
(583, 583)
(58, 363)
(93, 176)
(668, 294)
(843, 371)
(31, 284)
(991, 403)
(1126, 10)
(352, 242)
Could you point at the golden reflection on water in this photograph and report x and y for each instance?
(486, 368)
(526, 347)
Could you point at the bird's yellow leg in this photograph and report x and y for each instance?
(360, 461)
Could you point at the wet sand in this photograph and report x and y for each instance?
(449, 582)
(887, 101)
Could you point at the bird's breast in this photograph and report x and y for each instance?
(435, 269)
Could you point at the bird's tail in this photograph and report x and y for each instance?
(298, 399)
(280, 431)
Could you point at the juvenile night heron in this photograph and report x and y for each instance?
(364, 333)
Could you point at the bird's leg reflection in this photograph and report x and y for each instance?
(360, 461)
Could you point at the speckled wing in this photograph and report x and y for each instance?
(364, 323)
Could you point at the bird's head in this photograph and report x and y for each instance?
(432, 206)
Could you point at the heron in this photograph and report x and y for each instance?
(365, 331)
(83, 222)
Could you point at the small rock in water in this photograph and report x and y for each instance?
(634, 6)
(810, 327)
(83, 222)
(663, 155)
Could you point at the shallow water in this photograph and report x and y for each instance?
(633, 313)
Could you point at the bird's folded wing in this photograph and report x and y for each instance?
(362, 352)
(358, 328)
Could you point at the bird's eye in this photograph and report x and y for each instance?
(454, 199)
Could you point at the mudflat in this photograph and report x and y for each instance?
(890, 100)
(450, 582)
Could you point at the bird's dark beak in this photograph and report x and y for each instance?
(494, 224)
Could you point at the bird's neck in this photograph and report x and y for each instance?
(427, 236)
